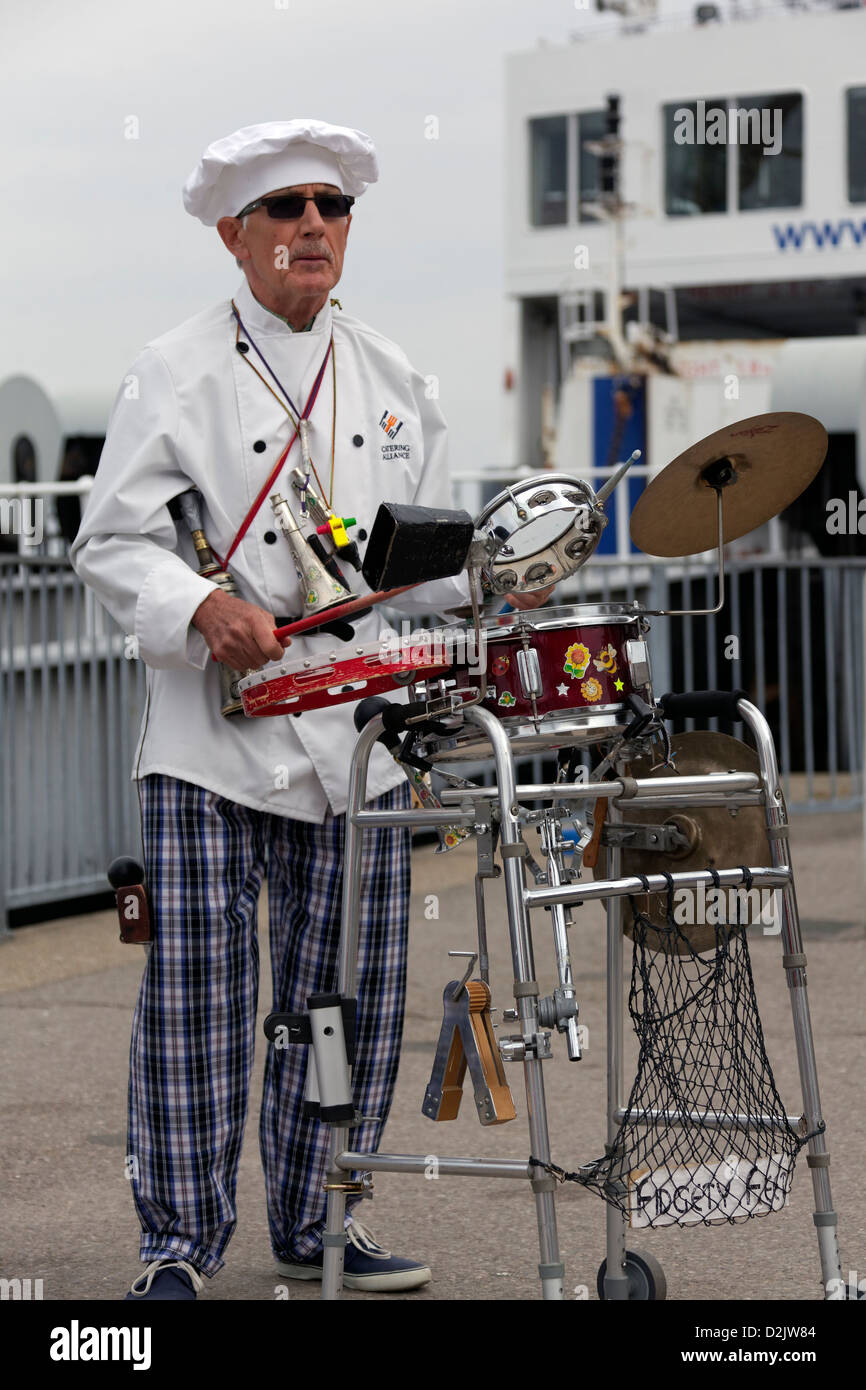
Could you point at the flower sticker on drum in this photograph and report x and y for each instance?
(500, 665)
(507, 699)
(576, 660)
(606, 660)
(591, 690)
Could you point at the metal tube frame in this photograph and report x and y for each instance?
(728, 789)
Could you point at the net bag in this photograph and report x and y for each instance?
(701, 1049)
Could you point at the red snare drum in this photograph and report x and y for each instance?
(555, 677)
(292, 687)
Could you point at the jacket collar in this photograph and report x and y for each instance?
(261, 322)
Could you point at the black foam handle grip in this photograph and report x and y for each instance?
(124, 871)
(367, 710)
(695, 703)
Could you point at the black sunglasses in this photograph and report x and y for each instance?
(290, 207)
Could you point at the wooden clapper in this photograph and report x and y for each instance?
(466, 1040)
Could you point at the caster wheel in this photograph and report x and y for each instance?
(646, 1280)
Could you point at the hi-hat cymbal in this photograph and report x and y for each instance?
(718, 839)
(774, 457)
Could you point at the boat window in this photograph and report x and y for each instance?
(769, 147)
(743, 153)
(695, 160)
(548, 136)
(856, 100)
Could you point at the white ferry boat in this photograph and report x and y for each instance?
(686, 244)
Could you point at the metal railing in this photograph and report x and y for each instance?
(70, 703)
(71, 697)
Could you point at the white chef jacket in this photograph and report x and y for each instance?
(190, 412)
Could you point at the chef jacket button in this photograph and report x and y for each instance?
(362, 534)
(357, 440)
(243, 347)
(260, 446)
(270, 537)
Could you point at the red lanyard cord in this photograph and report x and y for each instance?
(251, 514)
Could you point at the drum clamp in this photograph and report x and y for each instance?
(445, 706)
(663, 838)
(523, 1045)
(474, 694)
(520, 850)
(360, 1187)
(432, 710)
(629, 790)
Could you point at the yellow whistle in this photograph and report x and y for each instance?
(337, 527)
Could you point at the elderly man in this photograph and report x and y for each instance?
(229, 803)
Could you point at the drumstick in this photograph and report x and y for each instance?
(341, 610)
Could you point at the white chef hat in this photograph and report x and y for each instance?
(259, 158)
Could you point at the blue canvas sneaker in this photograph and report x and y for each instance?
(366, 1265)
(167, 1280)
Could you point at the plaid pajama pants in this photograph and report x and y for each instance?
(193, 1031)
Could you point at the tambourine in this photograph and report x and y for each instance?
(544, 528)
(293, 687)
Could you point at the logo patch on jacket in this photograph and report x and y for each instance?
(390, 424)
(392, 427)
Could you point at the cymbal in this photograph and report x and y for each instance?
(717, 838)
(774, 458)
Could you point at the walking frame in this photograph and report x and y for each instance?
(480, 808)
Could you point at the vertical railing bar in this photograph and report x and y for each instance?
(857, 577)
(26, 819)
(808, 703)
(123, 751)
(6, 677)
(64, 739)
(760, 670)
(712, 650)
(96, 801)
(45, 830)
(15, 821)
(784, 701)
(78, 792)
(688, 644)
(112, 789)
(829, 653)
(848, 678)
(737, 672)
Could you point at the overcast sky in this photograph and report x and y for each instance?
(99, 254)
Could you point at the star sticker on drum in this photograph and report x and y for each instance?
(618, 685)
(562, 690)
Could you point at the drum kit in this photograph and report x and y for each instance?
(694, 810)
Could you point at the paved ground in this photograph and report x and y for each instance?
(67, 990)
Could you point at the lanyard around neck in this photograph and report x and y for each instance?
(311, 400)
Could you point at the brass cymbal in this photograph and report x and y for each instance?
(774, 457)
(720, 838)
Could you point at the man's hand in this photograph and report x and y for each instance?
(533, 600)
(238, 633)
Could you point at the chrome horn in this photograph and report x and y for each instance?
(320, 589)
